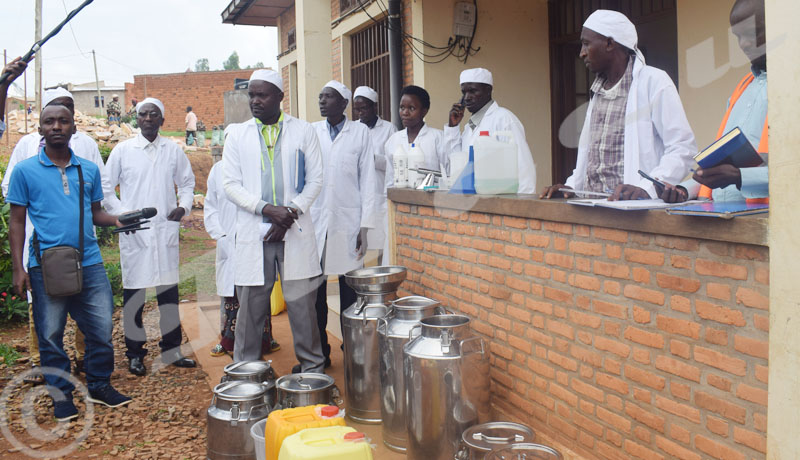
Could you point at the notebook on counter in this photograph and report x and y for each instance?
(733, 148)
(627, 205)
(721, 209)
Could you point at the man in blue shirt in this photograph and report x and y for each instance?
(46, 189)
(15, 67)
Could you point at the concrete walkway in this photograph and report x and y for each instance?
(200, 321)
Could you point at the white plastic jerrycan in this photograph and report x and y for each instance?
(496, 169)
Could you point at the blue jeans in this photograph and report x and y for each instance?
(91, 309)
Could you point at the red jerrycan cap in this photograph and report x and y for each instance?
(483, 133)
(354, 436)
(329, 411)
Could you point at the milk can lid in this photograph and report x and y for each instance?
(239, 390)
(493, 435)
(247, 367)
(527, 451)
(304, 382)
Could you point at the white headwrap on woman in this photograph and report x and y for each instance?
(155, 102)
(613, 24)
(367, 92)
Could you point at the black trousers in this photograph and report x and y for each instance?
(169, 321)
(347, 297)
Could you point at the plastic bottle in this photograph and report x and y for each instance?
(496, 170)
(458, 160)
(416, 159)
(400, 165)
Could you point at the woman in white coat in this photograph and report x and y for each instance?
(219, 217)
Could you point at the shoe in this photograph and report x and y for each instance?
(274, 346)
(136, 366)
(65, 409)
(79, 369)
(218, 350)
(108, 396)
(34, 377)
(297, 369)
(184, 362)
(327, 362)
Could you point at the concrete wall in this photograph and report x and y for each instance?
(237, 107)
(84, 101)
(513, 37)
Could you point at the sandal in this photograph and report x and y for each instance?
(34, 377)
(218, 351)
(274, 346)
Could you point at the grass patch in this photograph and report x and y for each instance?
(182, 133)
(8, 355)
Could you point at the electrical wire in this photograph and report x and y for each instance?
(73, 31)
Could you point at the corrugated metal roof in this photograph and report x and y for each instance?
(255, 12)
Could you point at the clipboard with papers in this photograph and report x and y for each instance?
(298, 170)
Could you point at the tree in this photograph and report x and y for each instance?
(232, 63)
(201, 65)
(259, 65)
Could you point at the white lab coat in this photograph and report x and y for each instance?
(379, 134)
(28, 146)
(497, 119)
(219, 217)
(241, 162)
(658, 138)
(149, 257)
(347, 201)
(429, 140)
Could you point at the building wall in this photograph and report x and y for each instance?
(84, 101)
(286, 22)
(710, 64)
(204, 91)
(615, 344)
(513, 37)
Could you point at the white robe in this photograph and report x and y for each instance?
(28, 146)
(348, 197)
(379, 134)
(149, 257)
(497, 119)
(658, 138)
(241, 163)
(219, 218)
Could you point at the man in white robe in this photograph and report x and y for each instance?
(147, 169)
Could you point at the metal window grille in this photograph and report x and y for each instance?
(370, 63)
(291, 39)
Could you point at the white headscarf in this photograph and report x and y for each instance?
(52, 94)
(367, 92)
(477, 75)
(613, 24)
(155, 102)
(340, 88)
(269, 76)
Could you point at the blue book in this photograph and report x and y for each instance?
(299, 171)
(733, 148)
(722, 209)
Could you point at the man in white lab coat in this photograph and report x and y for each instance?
(345, 208)
(635, 120)
(147, 169)
(487, 115)
(273, 172)
(28, 146)
(365, 108)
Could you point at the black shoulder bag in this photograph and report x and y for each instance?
(62, 265)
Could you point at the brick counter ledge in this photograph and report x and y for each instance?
(614, 334)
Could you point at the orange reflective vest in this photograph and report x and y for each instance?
(763, 145)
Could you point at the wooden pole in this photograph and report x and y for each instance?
(97, 83)
(38, 63)
(25, 98)
(5, 106)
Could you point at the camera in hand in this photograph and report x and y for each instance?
(133, 220)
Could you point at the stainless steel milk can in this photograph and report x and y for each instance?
(446, 371)
(524, 451)
(376, 288)
(393, 333)
(235, 408)
(478, 440)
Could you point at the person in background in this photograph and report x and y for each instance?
(747, 109)
(56, 190)
(191, 124)
(274, 231)
(15, 67)
(114, 110)
(365, 108)
(487, 115)
(148, 168)
(635, 119)
(414, 105)
(27, 147)
(219, 217)
(346, 206)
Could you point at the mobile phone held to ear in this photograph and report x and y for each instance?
(660, 186)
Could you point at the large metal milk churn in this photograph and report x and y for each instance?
(446, 371)
(376, 288)
(235, 408)
(393, 333)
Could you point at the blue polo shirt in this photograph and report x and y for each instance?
(51, 196)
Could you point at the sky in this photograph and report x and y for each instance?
(131, 37)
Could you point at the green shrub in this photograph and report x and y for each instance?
(12, 306)
(114, 272)
(105, 151)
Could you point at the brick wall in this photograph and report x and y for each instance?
(287, 91)
(202, 90)
(286, 21)
(408, 57)
(615, 344)
(336, 58)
